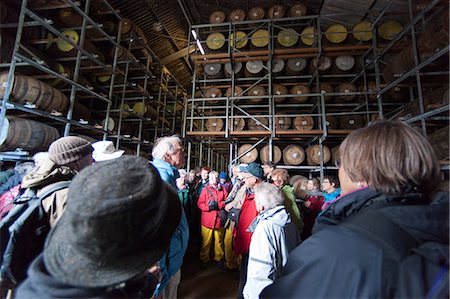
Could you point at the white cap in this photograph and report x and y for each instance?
(105, 150)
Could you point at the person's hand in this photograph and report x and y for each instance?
(307, 203)
(213, 205)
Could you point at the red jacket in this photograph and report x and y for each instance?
(211, 193)
(242, 237)
(310, 214)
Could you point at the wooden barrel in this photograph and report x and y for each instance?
(346, 88)
(313, 154)
(6, 46)
(297, 10)
(303, 123)
(237, 15)
(29, 90)
(287, 37)
(151, 112)
(293, 179)
(139, 109)
(277, 65)
(215, 41)
(282, 123)
(254, 68)
(336, 33)
(256, 13)
(295, 66)
(299, 89)
(29, 135)
(260, 38)
(301, 187)
(128, 27)
(249, 157)
(257, 125)
(213, 92)
(389, 30)
(323, 64)
(65, 49)
(126, 109)
(81, 112)
(237, 92)
(344, 63)
(439, 141)
(72, 18)
(214, 124)
(264, 154)
(293, 155)
(335, 155)
(236, 124)
(371, 87)
(276, 12)
(362, 31)
(332, 122)
(241, 39)
(397, 94)
(256, 90)
(308, 36)
(279, 90)
(325, 88)
(351, 122)
(63, 71)
(213, 70)
(229, 69)
(217, 17)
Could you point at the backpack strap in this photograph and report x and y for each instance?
(376, 226)
(49, 189)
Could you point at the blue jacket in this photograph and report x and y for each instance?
(172, 260)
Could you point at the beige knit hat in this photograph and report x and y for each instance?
(69, 149)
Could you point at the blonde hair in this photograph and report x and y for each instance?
(281, 174)
(392, 157)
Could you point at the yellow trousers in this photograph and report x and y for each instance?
(207, 237)
(230, 258)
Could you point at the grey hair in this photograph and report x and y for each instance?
(182, 172)
(214, 173)
(165, 145)
(268, 195)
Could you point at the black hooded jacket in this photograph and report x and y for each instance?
(338, 262)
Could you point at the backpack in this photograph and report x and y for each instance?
(416, 269)
(23, 232)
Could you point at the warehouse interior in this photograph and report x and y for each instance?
(239, 81)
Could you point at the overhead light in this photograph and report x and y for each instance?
(194, 34)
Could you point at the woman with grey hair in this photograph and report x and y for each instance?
(274, 236)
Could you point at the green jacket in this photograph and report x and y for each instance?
(291, 206)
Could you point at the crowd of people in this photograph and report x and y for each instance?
(120, 226)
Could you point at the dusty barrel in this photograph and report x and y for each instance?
(258, 124)
(303, 123)
(264, 154)
(125, 109)
(29, 90)
(300, 186)
(332, 122)
(314, 157)
(282, 122)
(214, 124)
(217, 17)
(351, 122)
(256, 13)
(287, 37)
(362, 31)
(260, 38)
(293, 155)
(236, 124)
(139, 108)
(279, 91)
(65, 72)
(276, 11)
(71, 18)
(81, 112)
(324, 64)
(213, 70)
(397, 94)
(277, 66)
(295, 178)
(6, 46)
(254, 68)
(297, 10)
(256, 91)
(308, 36)
(215, 41)
(295, 66)
(151, 112)
(336, 33)
(299, 90)
(325, 88)
(233, 68)
(344, 63)
(346, 89)
(213, 92)
(236, 93)
(250, 156)
(335, 155)
(66, 49)
(128, 27)
(370, 88)
(238, 39)
(389, 30)
(440, 143)
(237, 15)
(29, 135)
